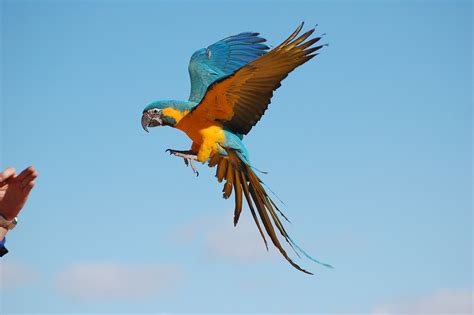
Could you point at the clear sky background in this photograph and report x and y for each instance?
(369, 145)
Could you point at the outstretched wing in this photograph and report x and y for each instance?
(222, 59)
(239, 100)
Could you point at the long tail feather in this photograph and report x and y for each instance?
(238, 197)
(249, 202)
(241, 179)
(308, 255)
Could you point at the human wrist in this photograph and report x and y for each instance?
(7, 215)
(3, 232)
(8, 224)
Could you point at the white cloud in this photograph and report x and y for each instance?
(14, 275)
(242, 242)
(192, 230)
(442, 302)
(92, 281)
(222, 240)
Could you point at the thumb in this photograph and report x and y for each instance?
(6, 174)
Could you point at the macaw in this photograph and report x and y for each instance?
(232, 83)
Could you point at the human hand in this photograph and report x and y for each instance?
(14, 190)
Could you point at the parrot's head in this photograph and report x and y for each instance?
(162, 113)
(152, 117)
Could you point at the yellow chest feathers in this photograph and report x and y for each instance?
(202, 131)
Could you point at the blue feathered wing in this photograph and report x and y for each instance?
(221, 59)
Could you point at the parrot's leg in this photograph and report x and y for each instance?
(188, 156)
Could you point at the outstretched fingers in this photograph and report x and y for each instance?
(25, 173)
(26, 179)
(6, 174)
(28, 187)
(30, 177)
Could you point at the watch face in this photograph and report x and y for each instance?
(13, 224)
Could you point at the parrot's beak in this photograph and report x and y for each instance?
(149, 120)
(145, 121)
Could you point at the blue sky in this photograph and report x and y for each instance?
(369, 145)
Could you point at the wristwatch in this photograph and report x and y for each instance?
(6, 224)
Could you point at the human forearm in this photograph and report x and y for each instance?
(14, 191)
(3, 232)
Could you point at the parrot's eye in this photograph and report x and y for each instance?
(155, 111)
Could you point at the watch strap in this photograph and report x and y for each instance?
(6, 224)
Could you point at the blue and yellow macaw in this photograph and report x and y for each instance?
(232, 83)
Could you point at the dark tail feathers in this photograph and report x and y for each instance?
(240, 177)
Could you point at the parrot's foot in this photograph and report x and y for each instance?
(188, 156)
